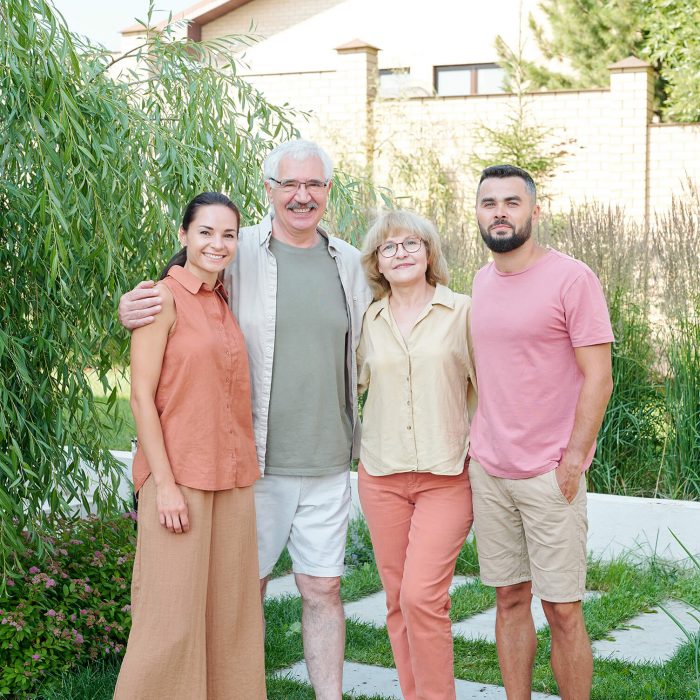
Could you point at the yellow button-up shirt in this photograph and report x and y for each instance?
(420, 391)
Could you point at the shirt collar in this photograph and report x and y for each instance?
(265, 232)
(192, 283)
(443, 296)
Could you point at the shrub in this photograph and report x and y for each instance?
(68, 609)
(93, 176)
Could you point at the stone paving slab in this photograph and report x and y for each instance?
(372, 609)
(651, 637)
(483, 625)
(361, 679)
(283, 585)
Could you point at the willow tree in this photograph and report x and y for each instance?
(94, 172)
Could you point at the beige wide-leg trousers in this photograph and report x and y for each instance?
(196, 629)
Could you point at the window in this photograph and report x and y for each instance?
(470, 79)
(393, 81)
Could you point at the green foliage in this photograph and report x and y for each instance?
(673, 45)
(70, 608)
(121, 428)
(94, 173)
(680, 471)
(587, 36)
(649, 443)
(519, 140)
(421, 182)
(629, 442)
(358, 550)
(94, 681)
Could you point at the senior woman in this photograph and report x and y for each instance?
(414, 361)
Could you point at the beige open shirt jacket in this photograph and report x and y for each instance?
(251, 283)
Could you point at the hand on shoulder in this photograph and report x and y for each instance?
(140, 306)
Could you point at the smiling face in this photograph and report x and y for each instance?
(404, 269)
(298, 212)
(211, 240)
(505, 211)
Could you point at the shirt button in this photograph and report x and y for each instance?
(408, 427)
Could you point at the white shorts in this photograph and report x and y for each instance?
(308, 515)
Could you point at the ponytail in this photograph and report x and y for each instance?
(179, 258)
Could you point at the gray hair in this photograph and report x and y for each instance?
(391, 222)
(299, 149)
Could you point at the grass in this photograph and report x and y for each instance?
(627, 587)
(120, 427)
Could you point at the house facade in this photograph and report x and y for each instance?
(383, 80)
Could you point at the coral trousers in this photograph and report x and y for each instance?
(196, 630)
(418, 523)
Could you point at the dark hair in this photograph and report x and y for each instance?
(204, 199)
(503, 171)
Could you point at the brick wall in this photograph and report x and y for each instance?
(674, 159)
(613, 153)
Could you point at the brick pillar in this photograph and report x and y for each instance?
(632, 99)
(354, 98)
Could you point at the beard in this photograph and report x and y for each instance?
(499, 244)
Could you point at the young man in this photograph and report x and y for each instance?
(542, 338)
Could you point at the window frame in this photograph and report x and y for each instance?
(471, 68)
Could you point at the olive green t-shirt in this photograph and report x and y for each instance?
(309, 424)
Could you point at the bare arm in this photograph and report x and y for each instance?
(472, 390)
(140, 306)
(595, 363)
(362, 368)
(147, 350)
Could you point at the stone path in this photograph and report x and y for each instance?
(651, 637)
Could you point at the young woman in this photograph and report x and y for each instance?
(415, 364)
(196, 619)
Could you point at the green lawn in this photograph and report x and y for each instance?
(627, 588)
(121, 428)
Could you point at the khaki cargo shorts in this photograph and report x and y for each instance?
(526, 530)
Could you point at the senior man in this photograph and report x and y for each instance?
(299, 296)
(542, 338)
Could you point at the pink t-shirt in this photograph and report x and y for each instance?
(525, 327)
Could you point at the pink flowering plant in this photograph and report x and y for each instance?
(70, 607)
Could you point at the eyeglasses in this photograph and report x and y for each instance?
(289, 186)
(410, 245)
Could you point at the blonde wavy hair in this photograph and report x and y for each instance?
(392, 222)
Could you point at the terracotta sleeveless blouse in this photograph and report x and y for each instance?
(203, 395)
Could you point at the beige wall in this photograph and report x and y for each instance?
(674, 160)
(613, 152)
(302, 36)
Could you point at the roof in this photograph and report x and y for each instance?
(356, 45)
(630, 63)
(200, 13)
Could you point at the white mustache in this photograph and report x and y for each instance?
(298, 205)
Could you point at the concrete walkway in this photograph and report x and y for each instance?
(617, 524)
(637, 527)
(652, 637)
